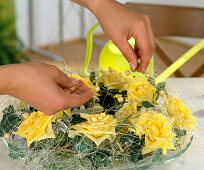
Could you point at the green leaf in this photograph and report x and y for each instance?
(9, 110)
(152, 81)
(136, 148)
(13, 155)
(9, 121)
(161, 86)
(179, 132)
(99, 158)
(77, 119)
(16, 152)
(158, 155)
(66, 118)
(147, 104)
(80, 147)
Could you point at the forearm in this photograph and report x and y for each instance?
(92, 5)
(5, 79)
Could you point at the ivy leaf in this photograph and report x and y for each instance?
(92, 76)
(80, 147)
(77, 119)
(145, 104)
(99, 158)
(66, 118)
(136, 148)
(179, 132)
(160, 86)
(158, 155)
(16, 152)
(89, 104)
(9, 121)
(151, 80)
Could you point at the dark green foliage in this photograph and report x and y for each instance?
(160, 86)
(152, 81)
(92, 76)
(107, 99)
(77, 119)
(9, 121)
(135, 146)
(89, 104)
(29, 109)
(66, 118)
(158, 155)
(145, 104)
(179, 132)
(99, 158)
(16, 152)
(41, 144)
(10, 44)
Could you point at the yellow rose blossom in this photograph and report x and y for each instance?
(157, 129)
(182, 114)
(114, 80)
(97, 128)
(127, 110)
(37, 126)
(139, 90)
(86, 82)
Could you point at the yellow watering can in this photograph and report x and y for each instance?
(112, 57)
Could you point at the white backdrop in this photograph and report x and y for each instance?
(46, 18)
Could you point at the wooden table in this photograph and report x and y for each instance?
(191, 91)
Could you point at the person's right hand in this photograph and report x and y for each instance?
(44, 87)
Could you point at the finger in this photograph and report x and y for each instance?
(151, 35)
(67, 82)
(144, 50)
(75, 100)
(128, 52)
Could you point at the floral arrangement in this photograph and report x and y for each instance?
(130, 122)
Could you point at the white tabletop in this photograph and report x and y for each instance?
(191, 91)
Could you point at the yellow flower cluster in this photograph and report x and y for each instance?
(139, 90)
(37, 126)
(98, 127)
(86, 82)
(157, 129)
(114, 80)
(182, 114)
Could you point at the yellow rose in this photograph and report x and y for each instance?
(113, 80)
(98, 127)
(157, 129)
(139, 90)
(125, 111)
(86, 82)
(182, 114)
(38, 126)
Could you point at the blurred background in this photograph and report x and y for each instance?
(51, 30)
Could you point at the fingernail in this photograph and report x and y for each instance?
(132, 66)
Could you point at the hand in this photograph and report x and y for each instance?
(45, 87)
(120, 24)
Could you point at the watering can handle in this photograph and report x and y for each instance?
(89, 44)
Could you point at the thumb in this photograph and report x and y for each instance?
(128, 53)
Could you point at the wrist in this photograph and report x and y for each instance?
(6, 79)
